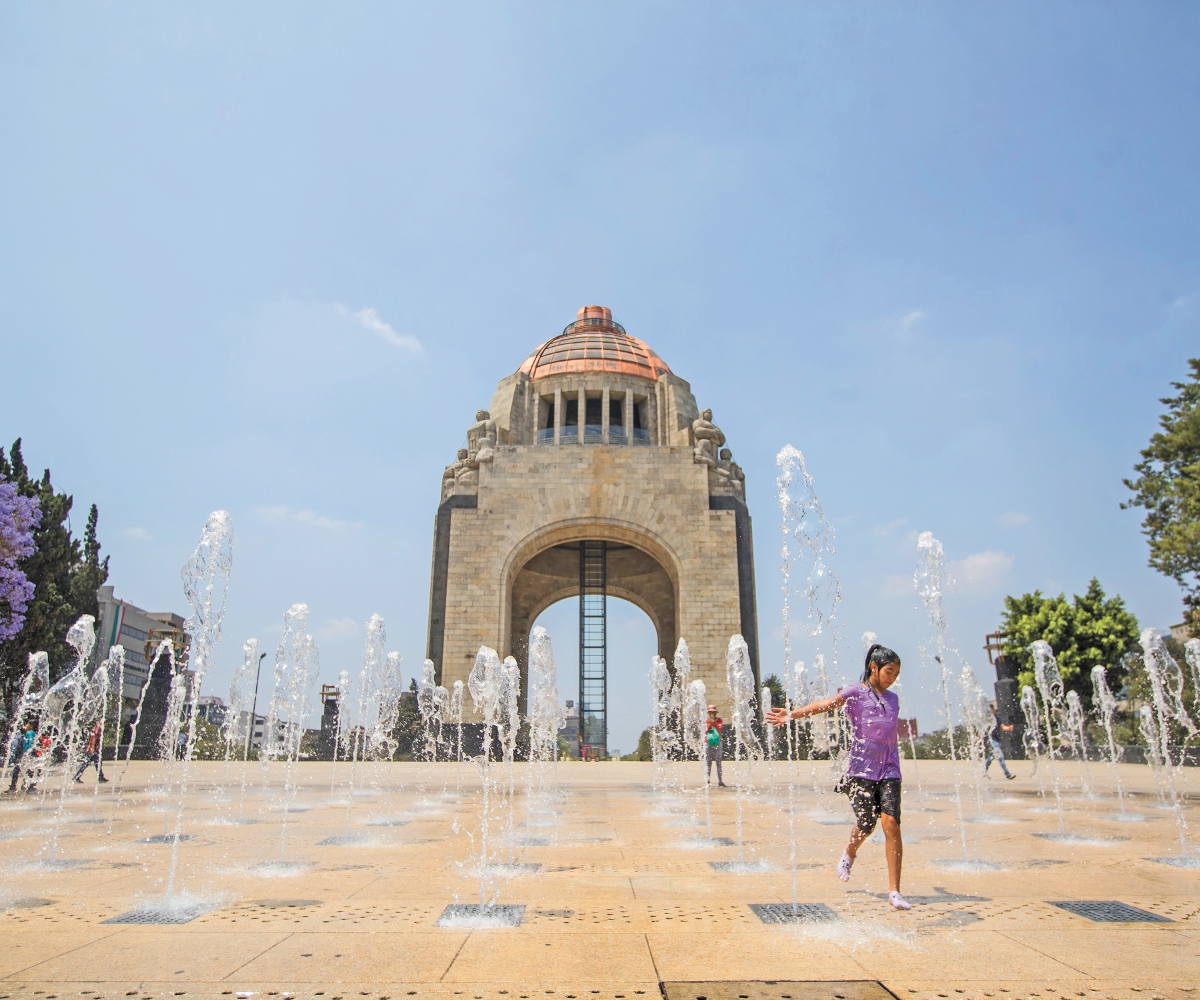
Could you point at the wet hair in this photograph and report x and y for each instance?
(879, 655)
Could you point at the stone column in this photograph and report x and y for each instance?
(536, 411)
(582, 411)
(558, 414)
(604, 414)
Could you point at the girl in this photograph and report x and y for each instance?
(872, 778)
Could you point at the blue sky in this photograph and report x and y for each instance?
(272, 257)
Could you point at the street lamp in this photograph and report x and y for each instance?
(253, 710)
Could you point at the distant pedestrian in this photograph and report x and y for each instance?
(23, 740)
(712, 746)
(91, 755)
(872, 777)
(993, 750)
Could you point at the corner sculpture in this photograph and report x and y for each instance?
(592, 474)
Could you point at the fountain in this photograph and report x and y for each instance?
(662, 736)
(1075, 724)
(295, 672)
(1166, 682)
(67, 709)
(367, 678)
(928, 580)
(1050, 687)
(1032, 738)
(1106, 703)
(164, 650)
(695, 728)
(339, 727)
(739, 677)
(546, 718)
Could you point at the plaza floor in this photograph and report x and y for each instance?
(623, 894)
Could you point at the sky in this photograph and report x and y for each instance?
(271, 258)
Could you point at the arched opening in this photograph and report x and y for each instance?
(632, 641)
(590, 562)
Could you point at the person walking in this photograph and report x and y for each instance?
(91, 755)
(872, 779)
(712, 746)
(22, 742)
(993, 750)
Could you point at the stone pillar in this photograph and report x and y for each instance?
(604, 414)
(582, 415)
(558, 414)
(536, 409)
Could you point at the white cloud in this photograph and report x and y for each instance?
(341, 628)
(280, 514)
(369, 319)
(135, 534)
(907, 324)
(981, 571)
(887, 530)
(1011, 519)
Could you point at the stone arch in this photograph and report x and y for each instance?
(544, 569)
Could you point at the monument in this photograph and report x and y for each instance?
(592, 473)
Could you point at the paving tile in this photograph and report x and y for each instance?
(488, 955)
(370, 956)
(170, 954)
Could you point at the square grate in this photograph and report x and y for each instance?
(1109, 911)
(786, 913)
(165, 838)
(478, 917)
(342, 841)
(159, 914)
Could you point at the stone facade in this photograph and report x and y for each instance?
(541, 474)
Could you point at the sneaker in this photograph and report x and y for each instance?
(79, 781)
(844, 866)
(721, 784)
(1010, 776)
(103, 780)
(898, 902)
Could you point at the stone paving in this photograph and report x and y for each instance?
(621, 895)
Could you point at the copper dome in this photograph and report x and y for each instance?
(594, 343)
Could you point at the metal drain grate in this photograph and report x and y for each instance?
(164, 838)
(478, 917)
(786, 913)
(342, 841)
(162, 914)
(860, 989)
(1109, 911)
(278, 904)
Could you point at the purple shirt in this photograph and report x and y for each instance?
(875, 721)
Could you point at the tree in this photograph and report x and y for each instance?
(19, 516)
(1092, 630)
(60, 572)
(1168, 488)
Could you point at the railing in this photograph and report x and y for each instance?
(594, 434)
(605, 324)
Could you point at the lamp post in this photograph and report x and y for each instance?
(253, 709)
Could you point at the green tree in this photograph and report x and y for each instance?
(65, 577)
(643, 751)
(1087, 631)
(1168, 488)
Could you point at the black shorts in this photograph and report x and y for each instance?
(869, 799)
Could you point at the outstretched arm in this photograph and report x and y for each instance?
(781, 716)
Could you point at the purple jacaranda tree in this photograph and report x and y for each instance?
(18, 517)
